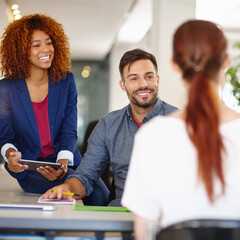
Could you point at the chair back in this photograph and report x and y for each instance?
(203, 229)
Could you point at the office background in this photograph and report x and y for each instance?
(100, 31)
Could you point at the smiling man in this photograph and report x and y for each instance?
(112, 139)
(140, 81)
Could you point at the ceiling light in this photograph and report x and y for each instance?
(85, 73)
(137, 23)
(17, 17)
(88, 68)
(14, 7)
(16, 12)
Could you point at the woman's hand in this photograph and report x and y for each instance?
(52, 174)
(13, 165)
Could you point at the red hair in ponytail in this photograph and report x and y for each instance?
(199, 49)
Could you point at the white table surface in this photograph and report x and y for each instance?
(61, 219)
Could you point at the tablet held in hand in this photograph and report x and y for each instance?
(33, 165)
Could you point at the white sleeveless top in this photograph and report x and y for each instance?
(163, 180)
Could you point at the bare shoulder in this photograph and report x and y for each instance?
(177, 114)
(229, 115)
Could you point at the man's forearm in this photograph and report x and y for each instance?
(76, 186)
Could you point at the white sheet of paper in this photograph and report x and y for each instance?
(57, 201)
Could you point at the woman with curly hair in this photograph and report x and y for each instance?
(38, 104)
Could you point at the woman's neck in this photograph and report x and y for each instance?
(37, 77)
(37, 85)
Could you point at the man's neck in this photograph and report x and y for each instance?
(139, 113)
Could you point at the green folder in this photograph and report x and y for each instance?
(77, 207)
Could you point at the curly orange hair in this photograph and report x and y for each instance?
(16, 42)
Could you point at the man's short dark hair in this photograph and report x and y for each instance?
(131, 56)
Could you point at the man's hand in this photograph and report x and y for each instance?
(56, 193)
(72, 185)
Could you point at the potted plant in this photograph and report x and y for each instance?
(233, 78)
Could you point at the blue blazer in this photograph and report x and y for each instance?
(18, 124)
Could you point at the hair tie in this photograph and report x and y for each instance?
(197, 68)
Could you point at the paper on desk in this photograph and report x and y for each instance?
(57, 201)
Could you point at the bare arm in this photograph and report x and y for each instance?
(143, 227)
(140, 227)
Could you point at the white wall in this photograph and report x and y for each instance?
(4, 16)
(167, 16)
(117, 97)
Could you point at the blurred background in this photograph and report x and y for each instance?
(100, 31)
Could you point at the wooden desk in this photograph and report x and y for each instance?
(60, 220)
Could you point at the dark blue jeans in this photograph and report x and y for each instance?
(34, 182)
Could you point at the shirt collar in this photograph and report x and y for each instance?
(154, 111)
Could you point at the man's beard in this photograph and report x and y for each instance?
(143, 104)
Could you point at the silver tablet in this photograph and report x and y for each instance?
(33, 165)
